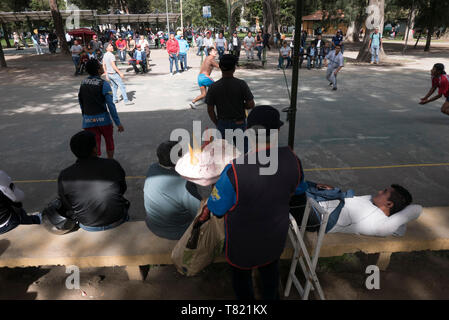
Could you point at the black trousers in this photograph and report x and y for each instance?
(243, 282)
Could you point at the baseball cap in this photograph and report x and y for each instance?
(265, 116)
(8, 188)
(228, 62)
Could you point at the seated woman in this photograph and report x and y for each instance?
(170, 207)
(11, 212)
(384, 214)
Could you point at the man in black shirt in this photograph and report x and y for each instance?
(231, 96)
(91, 190)
(11, 211)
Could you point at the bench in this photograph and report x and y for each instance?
(134, 246)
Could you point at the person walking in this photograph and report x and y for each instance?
(173, 52)
(259, 44)
(114, 75)
(334, 62)
(76, 56)
(183, 50)
(36, 42)
(375, 45)
(97, 107)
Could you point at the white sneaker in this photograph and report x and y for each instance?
(129, 103)
(193, 105)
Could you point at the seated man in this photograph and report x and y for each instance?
(380, 215)
(91, 190)
(139, 58)
(170, 207)
(11, 211)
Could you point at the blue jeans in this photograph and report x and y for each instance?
(319, 61)
(116, 82)
(221, 51)
(375, 53)
(173, 58)
(111, 226)
(309, 61)
(281, 62)
(17, 218)
(76, 62)
(259, 52)
(183, 61)
(122, 55)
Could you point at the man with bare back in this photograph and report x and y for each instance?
(204, 79)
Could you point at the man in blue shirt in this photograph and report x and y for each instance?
(183, 50)
(170, 207)
(255, 207)
(312, 55)
(375, 44)
(338, 40)
(97, 107)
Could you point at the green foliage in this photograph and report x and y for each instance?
(193, 13)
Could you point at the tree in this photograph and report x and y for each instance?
(432, 14)
(375, 18)
(270, 8)
(57, 20)
(2, 57)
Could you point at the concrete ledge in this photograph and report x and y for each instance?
(132, 244)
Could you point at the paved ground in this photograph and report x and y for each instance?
(372, 120)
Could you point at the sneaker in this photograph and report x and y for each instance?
(330, 84)
(193, 105)
(129, 103)
(278, 68)
(334, 88)
(115, 101)
(37, 214)
(371, 62)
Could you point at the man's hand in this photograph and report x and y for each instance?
(120, 128)
(336, 71)
(423, 101)
(121, 75)
(324, 186)
(107, 77)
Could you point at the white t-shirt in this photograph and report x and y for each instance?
(318, 44)
(360, 216)
(285, 51)
(76, 50)
(208, 42)
(249, 42)
(108, 58)
(220, 42)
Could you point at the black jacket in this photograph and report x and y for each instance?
(91, 191)
(7, 208)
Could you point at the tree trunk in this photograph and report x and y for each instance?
(269, 12)
(372, 22)
(429, 37)
(411, 26)
(57, 20)
(2, 57)
(417, 39)
(6, 35)
(351, 32)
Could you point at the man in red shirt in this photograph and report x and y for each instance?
(440, 80)
(173, 52)
(121, 47)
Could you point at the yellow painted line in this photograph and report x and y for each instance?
(418, 165)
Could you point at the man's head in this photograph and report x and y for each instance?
(312, 43)
(338, 32)
(172, 36)
(84, 145)
(235, 34)
(208, 35)
(228, 63)
(284, 44)
(437, 70)
(212, 52)
(163, 153)
(94, 37)
(120, 37)
(220, 35)
(393, 199)
(250, 34)
(376, 30)
(142, 37)
(260, 32)
(76, 42)
(110, 47)
(337, 49)
(94, 68)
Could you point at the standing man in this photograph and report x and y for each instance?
(249, 43)
(335, 64)
(230, 96)
(319, 44)
(199, 44)
(121, 47)
(337, 40)
(114, 75)
(375, 44)
(173, 52)
(95, 44)
(204, 79)
(76, 51)
(36, 42)
(259, 44)
(97, 107)
(256, 208)
(183, 50)
(440, 81)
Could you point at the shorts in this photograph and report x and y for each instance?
(107, 132)
(204, 81)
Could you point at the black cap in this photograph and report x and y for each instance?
(83, 143)
(228, 62)
(265, 116)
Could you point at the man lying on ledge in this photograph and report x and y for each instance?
(384, 214)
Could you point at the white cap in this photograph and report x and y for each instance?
(9, 189)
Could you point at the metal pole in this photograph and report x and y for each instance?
(166, 11)
(295, 74)
(182, 24)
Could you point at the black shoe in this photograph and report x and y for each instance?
(330, 84)
(334, 88)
